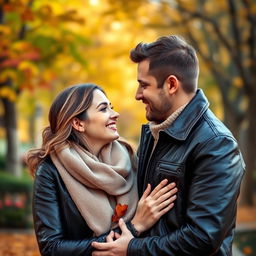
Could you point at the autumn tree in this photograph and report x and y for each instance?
(32, 35)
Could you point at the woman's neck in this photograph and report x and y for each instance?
(92, 147)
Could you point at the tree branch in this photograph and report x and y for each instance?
(2, 11)
(207, 19)
(223, 40)
(236, 33)
(238, 42)
(223, 81)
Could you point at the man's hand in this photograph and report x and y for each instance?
(111, 247)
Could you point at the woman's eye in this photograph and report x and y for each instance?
(103, 109)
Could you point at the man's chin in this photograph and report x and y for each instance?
(151, 118)
(154, 119)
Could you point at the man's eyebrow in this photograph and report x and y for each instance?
(142, 82)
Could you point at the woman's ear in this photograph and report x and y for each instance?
(173, 84)
(78, 124)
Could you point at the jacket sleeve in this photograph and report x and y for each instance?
(217, 168)
(48, 224)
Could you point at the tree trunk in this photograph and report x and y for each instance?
(13, 163)
(32, 129)
(231, 120)
(250, 148)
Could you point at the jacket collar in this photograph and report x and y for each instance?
(182, 126)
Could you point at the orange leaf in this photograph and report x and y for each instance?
(8, 7)
(119, 212)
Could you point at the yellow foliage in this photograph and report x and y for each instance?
(253, 8)
(214, 7)
(112, 31)
(7, 92)
(224, 57)
(21, 46)
(4, 30)
(8, 74)
(188, 4)
(30, 67)
(238, 82)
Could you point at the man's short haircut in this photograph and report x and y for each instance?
(169, 55)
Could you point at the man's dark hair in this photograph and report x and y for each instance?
(169, 55)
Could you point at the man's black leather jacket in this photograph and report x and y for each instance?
(60, 228)
(200, 154)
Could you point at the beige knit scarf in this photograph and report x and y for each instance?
(156, 128)
(97, 185)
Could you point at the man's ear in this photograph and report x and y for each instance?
(173, 84)
(78, 124)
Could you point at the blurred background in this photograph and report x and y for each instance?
(47, 45)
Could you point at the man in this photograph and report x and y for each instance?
(183, 142)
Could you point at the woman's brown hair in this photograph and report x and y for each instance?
(71, 102)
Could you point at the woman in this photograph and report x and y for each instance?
(85, 177)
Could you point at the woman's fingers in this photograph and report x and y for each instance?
(146, 192)
(162, 190)
(167, 195)
(166, 203)
(159, 187)
(110, 236)
(164, 210)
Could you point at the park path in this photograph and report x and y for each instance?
(18, 244)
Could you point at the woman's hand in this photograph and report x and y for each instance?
(152, 206)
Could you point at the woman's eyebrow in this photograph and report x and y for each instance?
(103, 103)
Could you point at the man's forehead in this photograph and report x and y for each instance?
(144, 64)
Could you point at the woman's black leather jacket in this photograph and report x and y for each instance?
(60, 229)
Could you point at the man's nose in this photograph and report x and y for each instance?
(139, 94)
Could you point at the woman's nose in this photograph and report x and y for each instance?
(114, 114)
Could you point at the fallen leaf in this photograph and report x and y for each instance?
(120, 211)
(247, 250)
